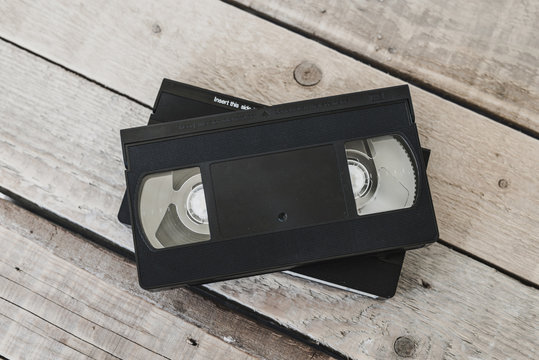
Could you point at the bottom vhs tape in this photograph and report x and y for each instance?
(278, 192)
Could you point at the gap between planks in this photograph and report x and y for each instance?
(150, 107)
(487, 64)
(85, 313)
(441, 305)
(91, 285)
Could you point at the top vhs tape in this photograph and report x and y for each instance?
(244, 193)
(373, 274)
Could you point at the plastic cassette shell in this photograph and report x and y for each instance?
(374, 275)
(338, 119)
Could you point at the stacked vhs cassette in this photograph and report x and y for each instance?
(331, 189)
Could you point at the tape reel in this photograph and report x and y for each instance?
(382, 173)
(173, 208)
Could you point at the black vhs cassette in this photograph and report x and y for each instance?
(374, 275)
(269, 189)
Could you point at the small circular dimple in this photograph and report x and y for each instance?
(282, 217)
(156, 29)
(405, 347)
(503, 183)
(307, 74)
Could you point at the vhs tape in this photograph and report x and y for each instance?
(374, 275)
(361, 167)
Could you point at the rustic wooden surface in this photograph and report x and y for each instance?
(312, 310)
(482, 174)
(441, 303)
(483, 52)
(450, 306)
(471, 155)
(174, 324)
(46, 300)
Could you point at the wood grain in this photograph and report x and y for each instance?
(52, 309)
(448, 305)
(32, 294)
(483, 52)
(221, 50)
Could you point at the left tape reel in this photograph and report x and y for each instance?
(173, 208)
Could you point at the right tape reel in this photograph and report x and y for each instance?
(382, 173)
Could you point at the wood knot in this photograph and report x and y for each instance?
(156, 29)
(307, 74)
(502, 183)
(405, 347)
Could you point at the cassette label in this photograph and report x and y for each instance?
(291, 185)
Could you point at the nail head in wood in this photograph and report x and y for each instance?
(307, 74)
(405, 347)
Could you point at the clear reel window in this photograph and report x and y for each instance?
(173, 208)
(382, 173)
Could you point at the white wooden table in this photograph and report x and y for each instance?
(74, 73)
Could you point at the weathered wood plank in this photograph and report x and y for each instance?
(240, 331)
(29, 336)
(57, 303)
(84, 301)
(484, 52)
(448, 305)
(482, 174)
